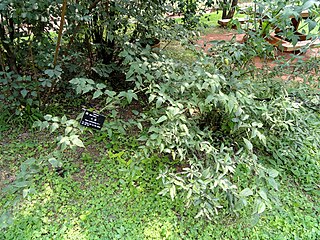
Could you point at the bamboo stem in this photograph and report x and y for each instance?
(63, 12)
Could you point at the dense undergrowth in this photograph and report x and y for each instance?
(106, 191)
(195, 145)
(93, 198)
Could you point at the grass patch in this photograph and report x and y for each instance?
(211, 19)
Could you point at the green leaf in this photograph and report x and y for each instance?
(273, 173)
(189, 193)
(101, 86)
(24, 92)
(54, 162)
(161, 148)
(308, 4)
(135, 112)
(48, 117)
(263, 195)
(163, 192)
(231, 105)
(50, 73)
(273, 183)
(129, 95)
(77, 142)
(261, 207)
(262, 138)
(139, 125)
(110, 93)
(199, 214)
(248, 144)
(209, 99)
(29, 101)
(154, 136)
(65, 140)
(246, 192)
(54, 127)
(75, 81)
(97, 94)
(151, 98)
(159, 102)
(22, 184)
(255, 219)
(55, 119)
(162, 119)
(44, 125)
(68, 130)
(25, 193)
(88, 80)
(86, 89)
(64, 119)
(172, 191)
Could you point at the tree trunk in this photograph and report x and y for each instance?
(232, 9)
(224, 9)
(10, 57)
(229, 8)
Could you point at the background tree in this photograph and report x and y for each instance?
(228, 8)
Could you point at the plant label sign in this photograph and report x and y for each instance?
(92, 120)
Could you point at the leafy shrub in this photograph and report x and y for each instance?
(278, 16)
(201, 121)
(213, 128)
(94, 35)
(212, 117)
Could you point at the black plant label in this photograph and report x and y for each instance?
(92, 120)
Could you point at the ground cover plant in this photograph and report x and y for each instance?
(238, 146)
(95, 198)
